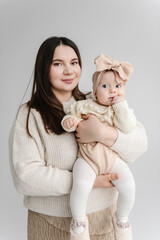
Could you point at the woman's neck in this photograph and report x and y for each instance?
(63, 96)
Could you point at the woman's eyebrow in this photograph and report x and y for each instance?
(74, 59)
(60, 60)
(57, 60)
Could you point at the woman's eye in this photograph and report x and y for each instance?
(57, 64)
(105, 86)
(75, 63)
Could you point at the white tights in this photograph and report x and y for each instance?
(83, 180)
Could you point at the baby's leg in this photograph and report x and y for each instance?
(125, 185)
(83, 180)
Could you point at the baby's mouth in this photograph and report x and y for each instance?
(111, 98)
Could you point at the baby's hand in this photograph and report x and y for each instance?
(117, 99)
(69, 122)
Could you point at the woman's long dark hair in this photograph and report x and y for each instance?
(42, 97)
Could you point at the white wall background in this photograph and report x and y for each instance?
(123, 29)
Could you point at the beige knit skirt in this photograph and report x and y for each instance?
(43, 227)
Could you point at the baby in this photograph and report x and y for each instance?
(110, 107)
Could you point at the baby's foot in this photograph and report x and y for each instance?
(122, 230)
(79, 230)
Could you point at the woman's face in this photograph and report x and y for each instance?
(65, 72)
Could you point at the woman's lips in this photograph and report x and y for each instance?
(68, 80)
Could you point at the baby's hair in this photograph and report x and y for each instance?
(109, 70)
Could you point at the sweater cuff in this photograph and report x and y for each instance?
(120, 144)
(64, 187)
(120, 105)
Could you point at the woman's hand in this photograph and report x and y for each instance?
(93, 130)
(104, 181)
(87, 130)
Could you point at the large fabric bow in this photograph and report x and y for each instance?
(103, 62)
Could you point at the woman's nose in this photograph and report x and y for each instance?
(67, 69)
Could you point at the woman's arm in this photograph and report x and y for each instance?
(132, 145)
(129, 146)
(31, 175)
(92, 130)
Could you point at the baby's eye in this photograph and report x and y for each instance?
(118, 85)
(105, 86)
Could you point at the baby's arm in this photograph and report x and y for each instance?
(124, 118)
(73, 117)
(69, 123)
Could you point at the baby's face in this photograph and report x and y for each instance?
(109, 88)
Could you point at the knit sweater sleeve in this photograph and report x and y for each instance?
(132, 139)
(74, 113)
(132, 145)
(124, 117)
(31, 175)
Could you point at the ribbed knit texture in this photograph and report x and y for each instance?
(41, 166)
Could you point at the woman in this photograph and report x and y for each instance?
(42, 154)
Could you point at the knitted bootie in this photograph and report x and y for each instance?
(82, 236)
(123, 231)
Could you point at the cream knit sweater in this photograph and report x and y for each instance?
(118, 115)
(42, 166)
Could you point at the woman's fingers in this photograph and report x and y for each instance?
(113, 176)
(105, 180)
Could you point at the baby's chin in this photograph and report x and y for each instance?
(107, 104)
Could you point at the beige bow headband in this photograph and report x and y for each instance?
(103, 62)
